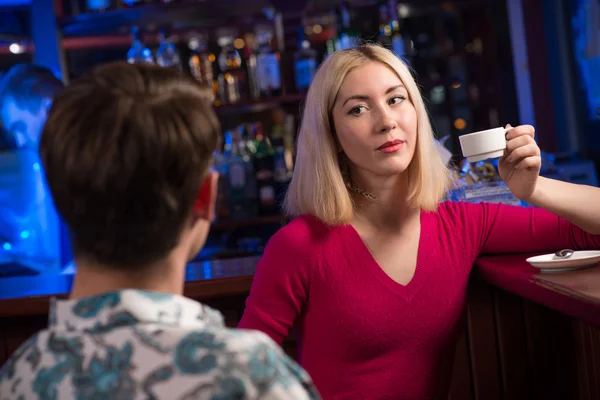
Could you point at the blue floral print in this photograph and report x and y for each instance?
(132, 344)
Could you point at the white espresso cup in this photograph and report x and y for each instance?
(482, 145)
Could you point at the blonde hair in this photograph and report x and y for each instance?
(318, 186)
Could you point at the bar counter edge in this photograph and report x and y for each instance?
(520, 339)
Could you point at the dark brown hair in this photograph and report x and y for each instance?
(125, 150)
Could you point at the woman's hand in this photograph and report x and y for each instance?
(520, 166)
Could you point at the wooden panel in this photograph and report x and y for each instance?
(551, 353)
(512, 345)
(587, 351)
(18, 329)
(231, 307)
(461, 387)
(482, 342)
(595, 355)
(584, 373)
(3, 352)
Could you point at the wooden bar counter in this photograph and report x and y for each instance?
(527, 335)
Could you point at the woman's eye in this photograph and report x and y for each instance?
(357, 110)
(397, 99)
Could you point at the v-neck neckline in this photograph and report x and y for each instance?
(411, 287)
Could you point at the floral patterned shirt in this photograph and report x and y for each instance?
(133, 344)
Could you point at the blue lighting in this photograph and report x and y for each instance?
(587, 52)
(207, 270)
(7, 246)
(25, 234)
(36, 166)
(9, 3)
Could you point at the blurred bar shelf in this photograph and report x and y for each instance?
(259, 105)
(30, 295)
(183, 15)
(226, 224)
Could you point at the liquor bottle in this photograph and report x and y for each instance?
(348, 36)
(138, 52)
(305, 63)
(263, 168)
(281, 174)
(251, 193)
(98, 5)
(232, 80)
(385, 31)
(267, 63)
(167, 54)
(398, 41)
(220, 163)
(251, 65)
(236, 173)
(289, 129)
(199, 62)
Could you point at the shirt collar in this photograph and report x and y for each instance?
(127, 307)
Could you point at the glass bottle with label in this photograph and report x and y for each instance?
(397, 40)
(232, 80)
(138, 52)
(220, 165)
(281, 174)
(267, 63)
(348, 36)
(305, 63)
(385, 31)
(236, 171)
(167, 54)
(251, 194)
(251, 68)
(200, 65)
(263, 168)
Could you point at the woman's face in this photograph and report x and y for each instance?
(375, 121)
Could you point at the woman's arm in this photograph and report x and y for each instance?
(511, 229)
(520, 168)
(579, 204)
(281, 282)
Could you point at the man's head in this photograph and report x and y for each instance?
(127, 151)
(26, 93)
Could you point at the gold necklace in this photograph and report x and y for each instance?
(362, 192)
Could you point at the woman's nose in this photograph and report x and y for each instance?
(385, 122)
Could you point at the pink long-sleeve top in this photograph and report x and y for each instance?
(363, 336)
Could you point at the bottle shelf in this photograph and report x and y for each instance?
(204, 14)
(258, 105)
(226, 224)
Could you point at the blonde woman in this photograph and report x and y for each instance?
(373, 269)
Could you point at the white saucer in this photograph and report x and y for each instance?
(579, 259)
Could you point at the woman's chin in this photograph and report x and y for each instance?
(394, 166)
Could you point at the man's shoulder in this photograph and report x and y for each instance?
(251, 350)
(232, 363)
(247, 363)
(26, 357)
(272, 372)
